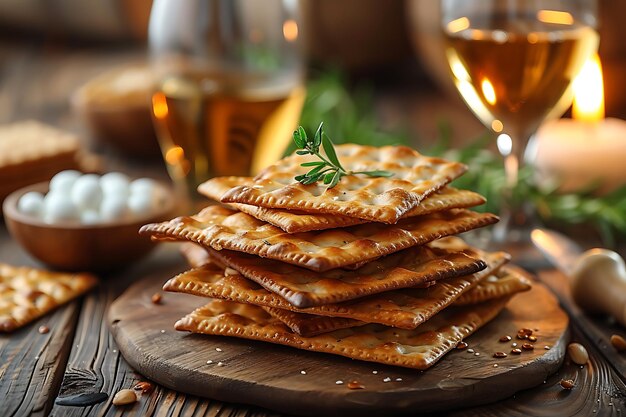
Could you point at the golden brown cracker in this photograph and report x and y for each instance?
(28, 293)
(419, 348)
(223, 228)
(507, 281)
(379, 199)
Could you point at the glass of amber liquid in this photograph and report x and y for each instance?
(513, 62)
(229, 85)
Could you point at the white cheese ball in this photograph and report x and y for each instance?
(58, 207)
(141, 204)
(143, 185)
(86, 192)
(115, 183)
(31, 204)
(90, 217)
(114, 208)
(64, 181)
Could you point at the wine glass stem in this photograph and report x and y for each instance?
(515, 214)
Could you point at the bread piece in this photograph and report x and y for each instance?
(223, 228)
(377, 199)
(292, 221)
(508, 281)
(405, 308)
(28, 293)
(419, 348)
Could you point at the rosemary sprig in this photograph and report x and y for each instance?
(328, 169)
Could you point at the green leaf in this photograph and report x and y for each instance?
(317, 139)
(329, 177)
(335, 179)
(312, 164)
(310, 180)
(315, 170)
(377, 173)
(330, 150)
(298, 138)
(303, 152)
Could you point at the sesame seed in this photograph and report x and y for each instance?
(513, 344)
(220, 364)
(387, 379)
(162, 331)
(339, 382)
(374, 372)
(495, 365)
(209, 362)
(218, 349)
(546, 347)
(398, 379)
(114, 350)
(303, 372)
(477, 354)
(470, 350)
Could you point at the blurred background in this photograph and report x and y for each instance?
(81, 65)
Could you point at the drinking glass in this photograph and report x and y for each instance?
(513, 62)
(229, 85)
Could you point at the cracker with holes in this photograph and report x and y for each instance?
(508, 281)
(379, 199)
(223, 228)
(28, 293)
(293, 221)
(419, 348)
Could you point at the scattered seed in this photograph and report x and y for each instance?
(567, 384)
(162, 331)
(218, 349)
(43, 329)
(355, 385)
(156, 298)
(477, 354)
(387, 379)
(495, 365)
(230, 271)
(303, 372)
(209, 362)
(470, 350)
(524, 333)
(144, 386)
(461, 345)
(398, 379)
(499, 355)
(374, 372)
(532, 338)
(513, 344)
(546, 347)
(505, 339)
(618, 342)
(339, 382)
(125, 396)
(528, 346)
(516, 351)
(577, 353)
(221, 364)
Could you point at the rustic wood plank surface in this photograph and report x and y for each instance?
(36, 78)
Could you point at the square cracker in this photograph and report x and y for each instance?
(419, 348)
(376, 199)
(28, 293)
(293, 221)
(508, 281)
(405, 308)
(223, 228)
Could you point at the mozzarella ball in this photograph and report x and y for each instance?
(90, 217)
(141, 204)
(86, 192)
(64, 181)
(115, 183)
(143, 185)
(31, 203)
(57, 207)
(113, 208)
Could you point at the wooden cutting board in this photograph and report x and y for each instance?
(304, 383)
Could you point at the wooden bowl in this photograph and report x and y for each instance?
(71, 246)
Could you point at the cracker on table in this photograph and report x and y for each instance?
(378, 199)
(405, 308)
(507, 281)
(293, 221)
(28, 293)
(419, 348)
(311, 325)
(223, 228)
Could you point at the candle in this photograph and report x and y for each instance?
(588, 149)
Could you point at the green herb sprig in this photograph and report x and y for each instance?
(328, 169)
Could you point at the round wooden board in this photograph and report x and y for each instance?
(270, 376)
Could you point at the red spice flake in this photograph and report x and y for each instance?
(355, 385)
(505, 339)
(516, 351)
(528, 346)
(567, 384)
(156, 298)
(499, 355)
(462, 345)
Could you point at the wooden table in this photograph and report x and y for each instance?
(79, 353)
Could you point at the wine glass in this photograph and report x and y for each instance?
(513, 62)
(229, 85)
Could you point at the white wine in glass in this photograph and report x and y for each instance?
(513, 62)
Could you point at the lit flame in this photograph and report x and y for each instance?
(589, 92)
(290, 30)
(159, 106)
(488, 91)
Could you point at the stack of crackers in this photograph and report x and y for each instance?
(367, 269)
